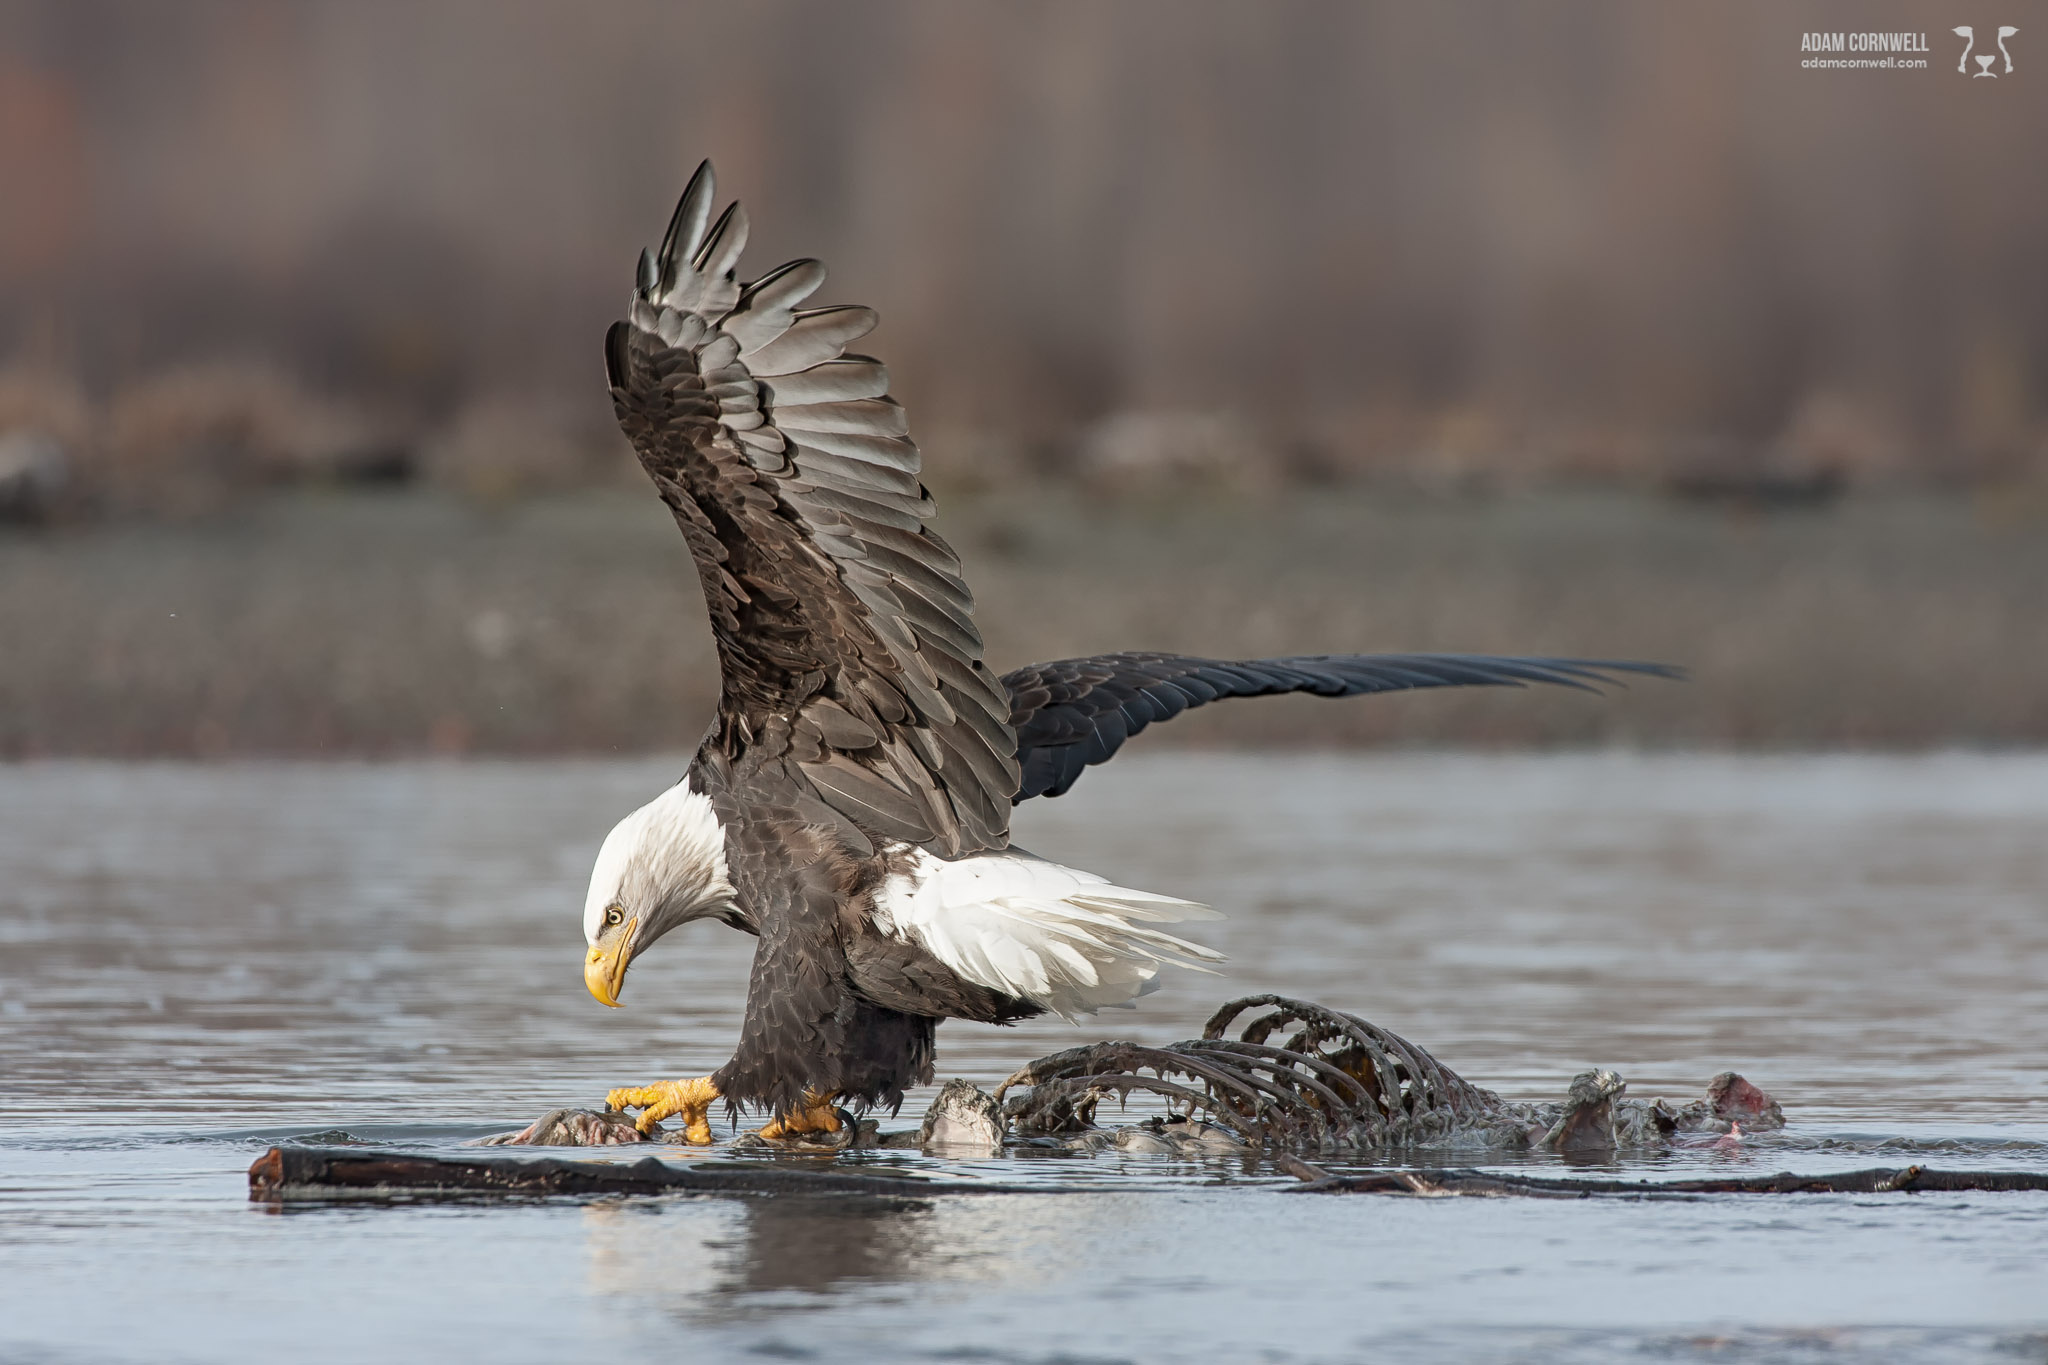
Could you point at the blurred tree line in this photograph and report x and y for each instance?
(246, 240)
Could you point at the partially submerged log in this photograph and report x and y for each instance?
(290, 1174)
(1297, 1079)
(1882, 1180)
(326, 1174)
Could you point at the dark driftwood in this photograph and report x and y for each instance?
(293, 1174)
(1437, 1184)
(1332, 1082)
(288, 1174)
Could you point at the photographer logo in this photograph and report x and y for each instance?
(1985, 60)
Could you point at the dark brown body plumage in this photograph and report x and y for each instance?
(833, 1004)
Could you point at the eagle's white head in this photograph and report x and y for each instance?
(661, 866)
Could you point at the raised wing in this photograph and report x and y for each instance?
(845, 633)
(1077, 712)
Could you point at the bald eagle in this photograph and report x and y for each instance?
(850, 803)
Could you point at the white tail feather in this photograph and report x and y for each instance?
(1053, 935)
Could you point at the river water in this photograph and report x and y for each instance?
(198, 961)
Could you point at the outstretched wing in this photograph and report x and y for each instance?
(1077, 712)
(845, 634)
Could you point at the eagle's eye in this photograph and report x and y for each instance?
(614, 917)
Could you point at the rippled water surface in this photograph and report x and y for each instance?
(195, 962)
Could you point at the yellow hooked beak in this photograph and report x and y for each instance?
(604, 968)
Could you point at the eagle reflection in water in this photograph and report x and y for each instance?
(733, 1251)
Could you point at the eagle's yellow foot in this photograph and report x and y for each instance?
(818, 1116)
(689, 1098)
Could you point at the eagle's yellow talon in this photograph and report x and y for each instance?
(818, 1116)
(689, 1098)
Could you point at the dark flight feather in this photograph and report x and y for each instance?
(792, 475)
(1074, 713)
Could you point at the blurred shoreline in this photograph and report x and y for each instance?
(1606, 329)
(350, 622)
